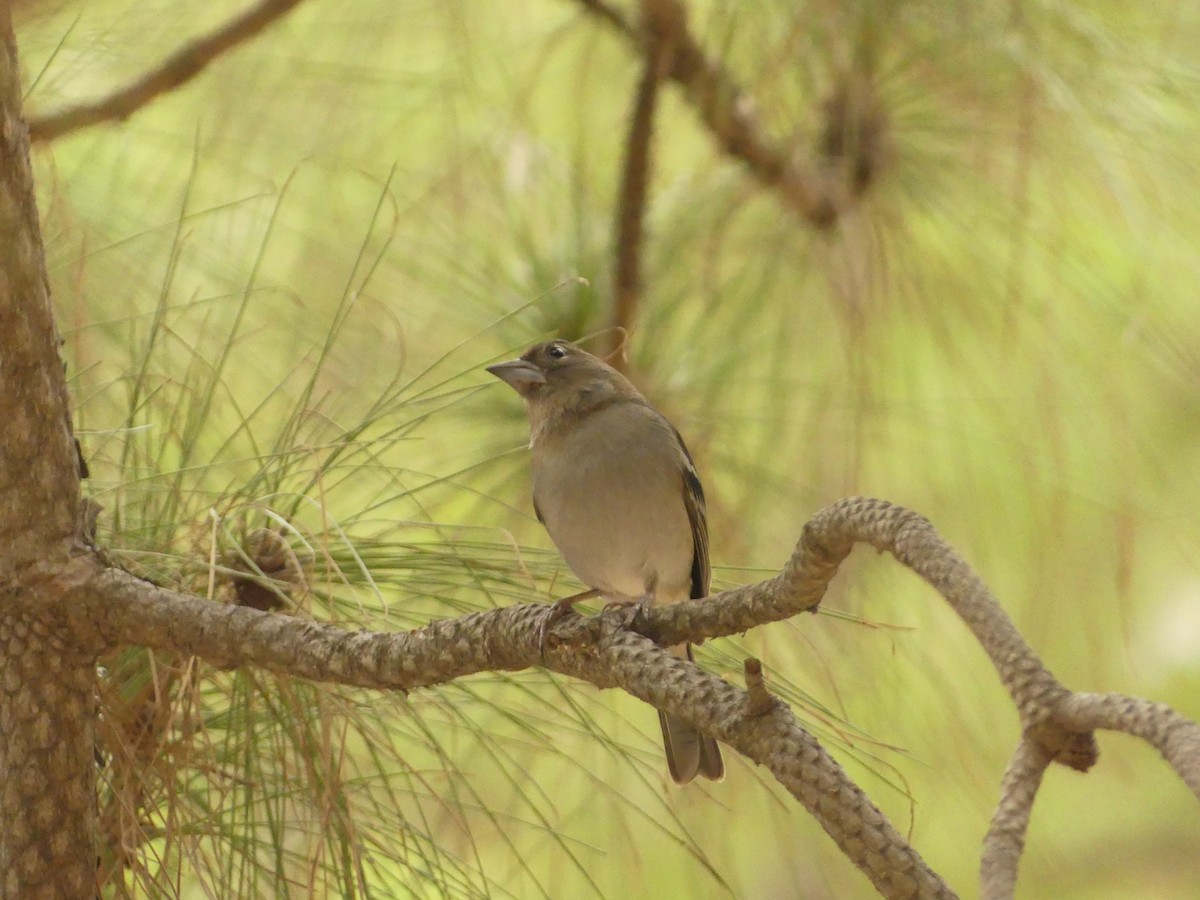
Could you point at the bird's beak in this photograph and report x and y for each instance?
(519, 374)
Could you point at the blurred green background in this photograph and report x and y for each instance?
(279, 283)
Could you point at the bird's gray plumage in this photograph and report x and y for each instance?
(619, 495)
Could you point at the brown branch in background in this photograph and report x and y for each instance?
(814, 193)
(180, 67)
(854, 137)
(663, 22)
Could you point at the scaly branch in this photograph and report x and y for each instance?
(617, 649)
(599, 650)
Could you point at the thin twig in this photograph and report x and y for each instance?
(179, 68)
(663, 23)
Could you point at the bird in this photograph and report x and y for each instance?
(616, 489)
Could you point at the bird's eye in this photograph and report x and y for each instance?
(557, 352)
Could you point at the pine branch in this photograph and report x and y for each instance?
(617, 649)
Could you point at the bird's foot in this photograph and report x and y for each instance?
(632, 606)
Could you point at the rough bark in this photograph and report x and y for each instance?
(39, 483)
(47, 774)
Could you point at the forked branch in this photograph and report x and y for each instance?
(613, 650)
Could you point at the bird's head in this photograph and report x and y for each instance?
(556, 376)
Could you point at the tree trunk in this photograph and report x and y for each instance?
(47, 771)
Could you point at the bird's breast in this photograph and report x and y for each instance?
(611, 495)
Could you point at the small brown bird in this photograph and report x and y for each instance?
(616, 489)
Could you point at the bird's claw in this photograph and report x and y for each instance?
(632, 608)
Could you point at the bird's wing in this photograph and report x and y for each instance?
(693, 500)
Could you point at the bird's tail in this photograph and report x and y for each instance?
(689, 753)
